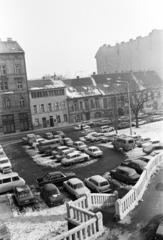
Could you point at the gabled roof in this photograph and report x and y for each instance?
(45, 84)
(10, 47)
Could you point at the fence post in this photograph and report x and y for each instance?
(99, 226)
(88, 200)
(68, 209)
(118, 209)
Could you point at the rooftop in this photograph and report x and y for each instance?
(10, 46)
(37, 84)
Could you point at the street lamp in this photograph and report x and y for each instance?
(129, 104)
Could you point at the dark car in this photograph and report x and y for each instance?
(56, 178)
(59, 133)
(138, 165)
(48, 135)
(24, 196)
(51, 195)
(125, 174)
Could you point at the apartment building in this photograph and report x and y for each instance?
(48, 103)
(15, 113)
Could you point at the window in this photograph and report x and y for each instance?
(33, 94)
(56, 106)
(92, 103)
(6, 180)
(42, 108)
(19, 82)
(4, 84)
(23, 121)
(105, 102)
(3, 69)
(18, 69)
(6, 103)
(35, 108)
(36, 122)
(58, 118)
(49, 107)
(15, 178)
(81, 105)
(22, 102)
(65, 117)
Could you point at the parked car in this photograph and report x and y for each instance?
(64, 153)
(106, 128)
(56, 178)
(79, 145)
(58, 133)
(125, 142)
(51, 195)
(24, 196)
(68, 141)
(2, 153)
(98, 184)
(145, 158)
(5, 165)
(153, 145)
(75, 157)
(122, 125)
(94, 151)
(76, 187)
(138, 165)
(48, 135)
(104, 139)
(9, 181)
(125, 174)
(140, 142)
(90, 137)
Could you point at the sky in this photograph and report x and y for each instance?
(63, 36)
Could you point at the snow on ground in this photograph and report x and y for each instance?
(36, 231)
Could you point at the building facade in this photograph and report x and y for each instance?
(141, 54)
(48, 103)
(15, 113)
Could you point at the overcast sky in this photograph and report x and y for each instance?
(63, 36)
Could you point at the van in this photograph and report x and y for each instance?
(5, 165)
(9, 181)
(124, 142)
(48, 144)
(106, 128)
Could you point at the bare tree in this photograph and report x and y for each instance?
(137, 100)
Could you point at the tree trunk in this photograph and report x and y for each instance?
(137, 121)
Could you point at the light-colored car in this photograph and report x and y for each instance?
(80, 145)
(68, 141)
(5, 165)
(75, 157)
(106, 128)
(94, 151)
(2, 153)
(90, 137)
(64, 153)
(97, 183)
(76, 187)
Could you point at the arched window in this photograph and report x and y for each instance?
(6, 103)
(22, 102)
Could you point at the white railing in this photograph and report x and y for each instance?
(124, 205)
(89, 225)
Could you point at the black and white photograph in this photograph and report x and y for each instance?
(81, 120)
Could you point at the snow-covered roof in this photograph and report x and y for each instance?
(37, 84)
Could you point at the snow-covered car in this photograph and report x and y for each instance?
(140, 142)
(64, 153)
(153, 145)
(75, 157)
(138, 165)
(24, 196)
(94, 151)
(5, 165)
(48, 135)
(98, 184)
(125, 174)
(106, 128)
(76, 187)
(68, 141)
(90, 137)
(83, 139)
(79, 145)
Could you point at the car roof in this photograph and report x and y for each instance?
(7, 175)
(73, 153)
(126, 169)
(54, 173)
(22, 188)
(49, 187)
(98, 178)
(93, 147)
(74, 180)
(78, 142)
(140, 162)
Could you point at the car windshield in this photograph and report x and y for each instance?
(78, 185)
(4, 161)
(104, 183)
(24, 193)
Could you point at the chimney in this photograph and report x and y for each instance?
(77, 77)
(9, 39)
(94, 73)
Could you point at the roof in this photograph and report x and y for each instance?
(127, 169)
(37, 84)
(6, 175)
(22, 188)
(10, 47)
(49, 187)
(98, 178)
(140, 162)
(81, 87)
(75, 180)
(54, 173)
